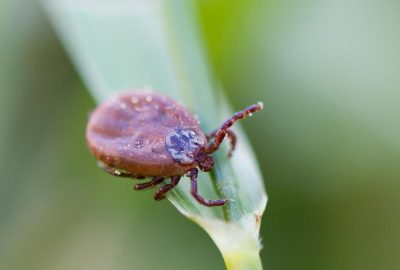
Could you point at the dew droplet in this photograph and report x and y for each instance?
(149, 99)
(138, 144)
(134, 100)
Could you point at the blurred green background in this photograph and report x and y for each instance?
(327, 142)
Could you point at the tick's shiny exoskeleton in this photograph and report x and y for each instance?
(146, 134)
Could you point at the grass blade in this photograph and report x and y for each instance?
(120, 45)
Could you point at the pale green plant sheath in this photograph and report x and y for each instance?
(136, 44)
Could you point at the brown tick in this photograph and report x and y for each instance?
(146, 134)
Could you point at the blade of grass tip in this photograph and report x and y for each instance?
(131, 44)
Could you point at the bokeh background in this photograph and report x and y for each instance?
(328, 143)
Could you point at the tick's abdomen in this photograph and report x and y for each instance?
(129, 132)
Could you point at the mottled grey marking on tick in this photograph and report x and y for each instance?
(182, 145)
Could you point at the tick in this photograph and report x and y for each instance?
(146, 134)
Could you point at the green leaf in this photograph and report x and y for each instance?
(136, 44)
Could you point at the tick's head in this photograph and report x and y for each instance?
(206, 162)
(185, 146)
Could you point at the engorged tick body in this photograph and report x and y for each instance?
(145, 134)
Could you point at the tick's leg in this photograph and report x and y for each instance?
(160, 194)
(113, 171)
(193, 184)
(155, 181)
(231, 136)
(223, 130)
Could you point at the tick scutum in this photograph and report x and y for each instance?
(183, 145)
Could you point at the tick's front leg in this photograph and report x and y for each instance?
(223, 130)
(231, 136)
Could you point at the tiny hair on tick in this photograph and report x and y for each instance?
(141, 134)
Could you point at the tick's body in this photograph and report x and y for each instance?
(145, 134)
(129, 132)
